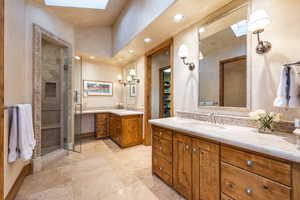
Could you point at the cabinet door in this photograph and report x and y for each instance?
(182, 165)
(101, 125)
(206, 170)
(132, 130)
(112, 130)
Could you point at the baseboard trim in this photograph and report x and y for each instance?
(27, 170)
(87, 135)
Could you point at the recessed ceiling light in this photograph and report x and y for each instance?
(131, 51)
(92, 57)
(201, 30)
(94, 4)
(77, 57)
(178, 17)
(147, 40)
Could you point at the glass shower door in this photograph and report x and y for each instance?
(77, 88)
(73, 107)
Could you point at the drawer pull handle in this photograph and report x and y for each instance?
(160, 148)
(160, 133)
(187, 146)
(248, 191)
(160, 168)
(249, 163)
(194, 150)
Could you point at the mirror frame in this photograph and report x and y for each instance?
(241, 111)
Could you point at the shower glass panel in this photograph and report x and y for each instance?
(77, 114)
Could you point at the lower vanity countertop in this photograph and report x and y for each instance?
(280, 145)
(120, 112)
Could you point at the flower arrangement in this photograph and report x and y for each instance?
(265, 119)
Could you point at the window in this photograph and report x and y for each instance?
(93, 4)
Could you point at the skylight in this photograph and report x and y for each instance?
(240, 28)
(93, 4)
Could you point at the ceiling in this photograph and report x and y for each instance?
(81, 17)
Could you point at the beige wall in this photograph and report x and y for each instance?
(138, 101)
(102, 72)
(129, 24)
(95, 41)
(18, 60)
(14, 70)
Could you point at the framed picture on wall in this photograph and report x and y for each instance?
(132, 90)
(98, 88)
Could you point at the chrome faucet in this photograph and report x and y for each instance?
(212, 118)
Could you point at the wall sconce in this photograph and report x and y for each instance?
(131, 78)
(258, 21)
(183, 54)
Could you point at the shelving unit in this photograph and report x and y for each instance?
(165, 92)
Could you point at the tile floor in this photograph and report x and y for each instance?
(101, 171)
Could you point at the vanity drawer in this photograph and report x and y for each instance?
(163, 147)
(225, 197)
(162, 133)
(162, 168)
(240, 184)
(275, 170)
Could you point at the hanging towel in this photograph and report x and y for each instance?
(26, 142)
(13, 135)
(294, 100)
(281, 99)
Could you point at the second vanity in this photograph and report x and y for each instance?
(203, 161)
(124, 127)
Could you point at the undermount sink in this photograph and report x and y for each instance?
(203, 124)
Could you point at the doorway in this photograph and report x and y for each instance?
(233, 82)
(156, 60)
(164, 91)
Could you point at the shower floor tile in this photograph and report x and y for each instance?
(101, 171)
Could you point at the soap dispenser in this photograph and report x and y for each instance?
(297, 132)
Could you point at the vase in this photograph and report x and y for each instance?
(265, 129)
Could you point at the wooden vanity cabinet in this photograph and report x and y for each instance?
(102, 125)
(205, 170)
(208, 170)
(126, 131)
(192, 164)
(182, 165)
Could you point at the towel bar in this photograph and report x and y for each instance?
(290, 64)
(7, 107)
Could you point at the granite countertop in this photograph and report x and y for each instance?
(120, 112)
(280, 145)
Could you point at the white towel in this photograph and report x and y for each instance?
(294, 100)
(26, 141)
(281, 99)
(13, 135)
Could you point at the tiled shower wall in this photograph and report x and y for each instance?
(52, 76)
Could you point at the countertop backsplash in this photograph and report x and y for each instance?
(282, 126)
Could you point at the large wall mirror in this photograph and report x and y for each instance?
(223, 68)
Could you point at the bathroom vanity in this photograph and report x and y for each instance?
(204, 161)
(124, 127)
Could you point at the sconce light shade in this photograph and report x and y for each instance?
(119, 77)
(183, 51)
(132, 72)
(201, 57)
(129, 78)
(258, 21)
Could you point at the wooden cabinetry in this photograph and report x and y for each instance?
(195, 164)
(102, 125)
(206, 170)
(126, 130)
(162, 155)
(182, 165)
